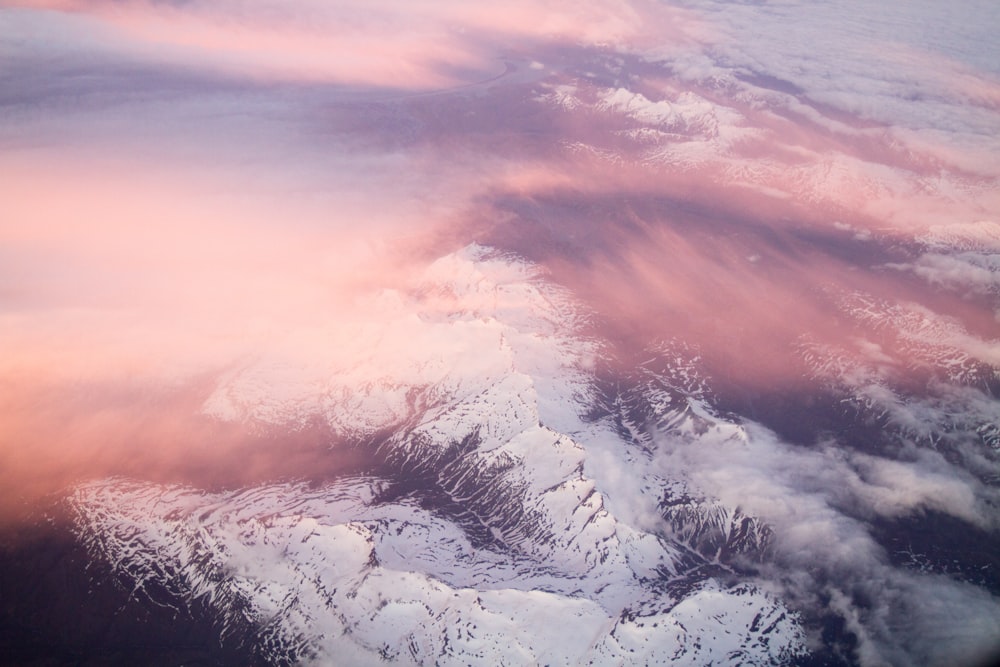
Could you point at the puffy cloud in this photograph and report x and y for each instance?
(972, 272)
(819, 501)
(937, 87)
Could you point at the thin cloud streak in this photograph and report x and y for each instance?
(389, 44)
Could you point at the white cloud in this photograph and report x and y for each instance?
(973, 272)
(818, 500)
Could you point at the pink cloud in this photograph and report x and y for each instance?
(400, 45)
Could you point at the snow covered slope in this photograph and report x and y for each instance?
(920, 374)
(515, 517)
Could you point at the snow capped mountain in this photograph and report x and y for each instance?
(311, 574)
(666, 398)
(678, 127)
(491, 530)
(960, 257)
(927, 378)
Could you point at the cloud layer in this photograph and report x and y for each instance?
(807, 194)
